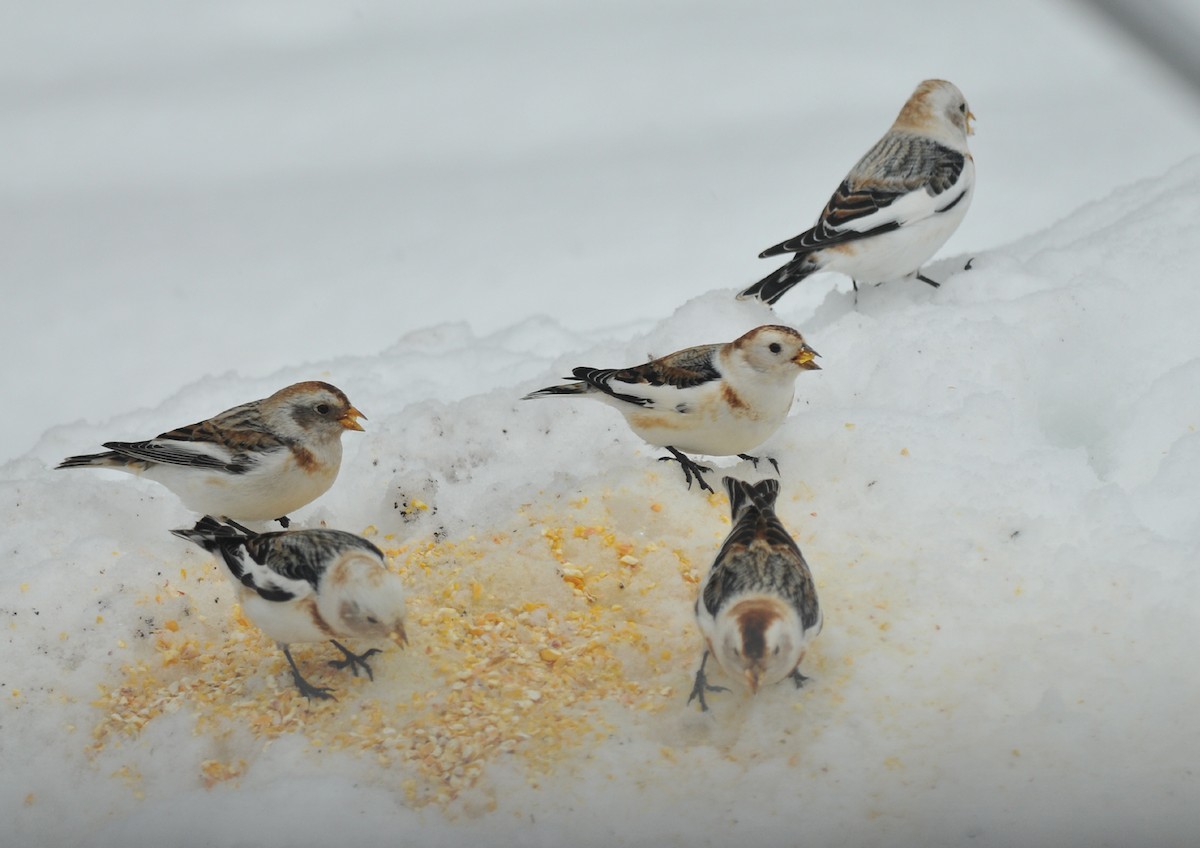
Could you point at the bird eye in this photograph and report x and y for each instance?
(372, 619)
(775, 347)
(962, 107)
(776, 650)
(322, 409)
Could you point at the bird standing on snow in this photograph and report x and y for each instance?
(896, 207)
(758, 606)
(716, 400)
(255, 462)
(310, 586)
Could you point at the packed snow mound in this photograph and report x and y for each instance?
(994, 483)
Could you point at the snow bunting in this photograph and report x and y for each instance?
(896, 207)
(309, 586)
(758, 606)
(716, 400)
(255, 462)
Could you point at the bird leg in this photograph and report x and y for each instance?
(798, 678)
(306, 689)
(755, 460)
(355, 661)
(925, 279)
(690, 468)
(284, 521)
(702, 685)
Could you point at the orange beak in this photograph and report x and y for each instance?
(350, 419)
(970, 117)
(805, 359)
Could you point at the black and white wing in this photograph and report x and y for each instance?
(658, 382)
(291, 563)
(759, 555)
(902, 179)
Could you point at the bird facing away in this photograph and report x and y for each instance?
(896, 207)
(758, 607)
(309, 586)
(716, 400)
(255, 462)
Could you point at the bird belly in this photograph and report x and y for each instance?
(276, 487)
(899, 253)
(286, 621)
(723, 422)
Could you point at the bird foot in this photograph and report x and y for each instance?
(702, 685)
(756, 459)
(798, 678)
(925, 279)
(690, 468)
(307, 689)
(353, 660)
(284, 521)
(970, 262)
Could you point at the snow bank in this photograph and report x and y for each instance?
(994, 482)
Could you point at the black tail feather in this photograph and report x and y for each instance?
(212, 535)
(762, 494)
(90, 460)
(780, 281)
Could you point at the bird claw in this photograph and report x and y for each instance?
(925, 279)
(756, 459)
(321, 693)
(702, 685)
(798, 678)
(353, 660)
(307, 689)
(970, 262)
(690, 467)
(284, 521)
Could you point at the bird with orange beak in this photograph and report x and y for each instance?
(254, 462)
(758, 606)
(715, 399)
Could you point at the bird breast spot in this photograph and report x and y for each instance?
(732, 398)
(305, 460)
(317, 619)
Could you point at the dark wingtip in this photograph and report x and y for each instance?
(209, 533)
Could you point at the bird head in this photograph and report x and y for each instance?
(312, 410)
(369, 599)
(759, 642)
(775, 349)
(939, 109)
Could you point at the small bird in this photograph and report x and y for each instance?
(309, 586)
(255, 462)
(758, 606)
(716, 400)
(896, 207)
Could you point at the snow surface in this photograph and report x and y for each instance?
(995, 483)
